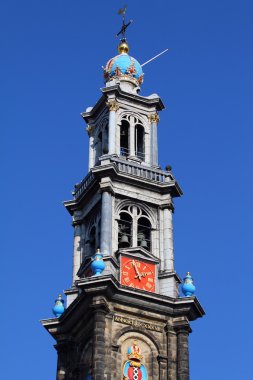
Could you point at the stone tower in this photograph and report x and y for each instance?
(124, 317)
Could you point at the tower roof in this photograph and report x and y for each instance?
(123, 66)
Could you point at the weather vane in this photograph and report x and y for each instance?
(122, 11)
(122, 31)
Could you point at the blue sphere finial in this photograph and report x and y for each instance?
(58, 308)
(188, 288)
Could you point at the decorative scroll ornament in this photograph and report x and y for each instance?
(90, 129)
(113, 105)
(133, 368)
(154, 118)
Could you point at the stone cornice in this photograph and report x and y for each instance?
(116, 91)
(109, 291)
(147, 100)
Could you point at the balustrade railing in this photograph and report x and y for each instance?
(143, 172)
(128, 168)
(81, 187)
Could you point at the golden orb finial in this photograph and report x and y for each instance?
(123, 48)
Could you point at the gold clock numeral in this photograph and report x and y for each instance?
(145, 266)
(127, 279)
(138, 264)
(125, 273)
(127, 267)
(132, 285)
(150, 279)
(149, 273)
(149, 285)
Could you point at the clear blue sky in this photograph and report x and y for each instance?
(51, 58)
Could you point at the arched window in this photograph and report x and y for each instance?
(144, 233)
(134, 228)
(124, 138)
(105, 140)
(92, 241)
(139, 142)
(98, 234)
(98, 147)
(125, 230)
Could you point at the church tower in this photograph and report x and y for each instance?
(124, 317)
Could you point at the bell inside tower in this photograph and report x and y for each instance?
(144, 233)
(125, 230)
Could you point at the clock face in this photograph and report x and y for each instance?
(138, 274)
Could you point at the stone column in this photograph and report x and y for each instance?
(171, 352)
(162, 367)
(106, 224)
(65, 361)
(134, 228)
(161, 235)
(99, 346)
(90, 130)
(113, 107)
(132, 138)
(183, 353)
(168, 240)
(154, 119)
(76, 251)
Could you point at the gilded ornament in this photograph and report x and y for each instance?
(123, 48)
(113, 106)
(154, 118)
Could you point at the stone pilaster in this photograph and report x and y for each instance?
(90, 129)
(106, 223)
(154, 119)
(171, 352)
(76, 251)
(183, 372)
(113, 107)
(132, 138)
(162, 361)
(65, 360)
(168, 240)
(161, 234)
(99, 346)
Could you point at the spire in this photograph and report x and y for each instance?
(123, 46)
(123, 68)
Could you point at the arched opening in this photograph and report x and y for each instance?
(139, 142)
(92, 241)
(144, 233)
(125, 230)
(98, 147)
(98, 234)
(124, 138)
(105, 140)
